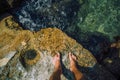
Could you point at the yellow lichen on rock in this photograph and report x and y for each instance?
(54, 40)
(51, 40)
(7, 35)
(23, 36)
(10, 23)
(13, 38)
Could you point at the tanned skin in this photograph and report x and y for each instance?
(58, 70)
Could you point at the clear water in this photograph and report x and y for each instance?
(101, 16)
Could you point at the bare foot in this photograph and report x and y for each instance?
(73, 67)
(73, 59)
(57, 68)
(56, 62)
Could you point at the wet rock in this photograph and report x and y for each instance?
(113, 65)
(97, 72)
(35, 51)
(112, 60)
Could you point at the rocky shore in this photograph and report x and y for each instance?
(28, 55)
(31, 34)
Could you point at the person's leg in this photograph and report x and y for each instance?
(73, 68)
(57, 68)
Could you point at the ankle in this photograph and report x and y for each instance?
(74, 69)
(58, 70)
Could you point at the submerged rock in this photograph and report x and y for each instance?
(100, 16)
(35, 50)
(37, 14)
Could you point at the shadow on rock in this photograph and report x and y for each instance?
(95, 42)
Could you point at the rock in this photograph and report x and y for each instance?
(8, 35)
(5, 60)
(112, 60)
(35, 51)
(51, 40)
(113, 66)
(29, 57)
(96, 43)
